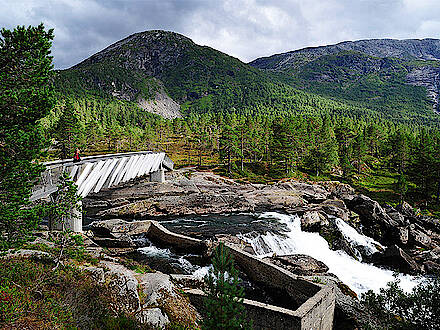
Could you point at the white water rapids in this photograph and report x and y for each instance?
(360, 277)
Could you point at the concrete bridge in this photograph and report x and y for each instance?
(94, 173)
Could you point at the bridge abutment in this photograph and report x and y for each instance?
(73, 222)
(158, 176)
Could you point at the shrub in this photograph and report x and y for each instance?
(224, 307)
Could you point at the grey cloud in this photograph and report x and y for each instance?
(242, 28)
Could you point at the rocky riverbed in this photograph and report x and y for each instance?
(413, 240)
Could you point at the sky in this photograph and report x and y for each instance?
(246, 29)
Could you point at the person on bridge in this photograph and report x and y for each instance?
(76, 157)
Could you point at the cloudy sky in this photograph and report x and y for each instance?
(246, 29)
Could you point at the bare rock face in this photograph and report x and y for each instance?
(161, 104)
(117, 228)
(299, 264)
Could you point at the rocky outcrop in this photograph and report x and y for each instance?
(397, 259)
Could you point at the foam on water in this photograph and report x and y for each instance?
(153, 251)
(359, 276)
(201, 272)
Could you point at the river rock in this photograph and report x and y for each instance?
(431, 267)
(418, 236)
(374, 219)
(313, 220)
(396, 258)
(299, 264)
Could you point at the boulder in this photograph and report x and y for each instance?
(313, 220)
(123, 286)
(396, 258)
(29, 254)
(159, 291)
(431, 267)
(336, 207)
(418, 236)
(406, 209)
(116, 228)
(375, 221)
(299, 264)
(340, 190)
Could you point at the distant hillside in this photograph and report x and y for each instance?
(379, 73)
(166, 73)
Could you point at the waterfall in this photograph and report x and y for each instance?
(360, 277)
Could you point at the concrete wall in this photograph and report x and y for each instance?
(158, 233)
(263, 316)
(318, 311)
(273, 276)
(316, 302)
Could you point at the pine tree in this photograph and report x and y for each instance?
(68, 131)
(224, 309)
(26, 96)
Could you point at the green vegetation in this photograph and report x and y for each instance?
(400, 310)
(25, 97)
(35, 294)
(224, 301)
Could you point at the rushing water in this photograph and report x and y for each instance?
(274, 233)
(359, 276)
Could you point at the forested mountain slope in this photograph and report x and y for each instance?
(168, 74)
(382, 74)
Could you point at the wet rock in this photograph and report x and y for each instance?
(121, 242)
(396, 258)
(313, 220)
(431, 267)
(233, 240)
(418, 236)
(299, 264)
(375, 221)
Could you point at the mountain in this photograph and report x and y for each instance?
(380, 73)
(168, 74)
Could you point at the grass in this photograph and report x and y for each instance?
(34, 296)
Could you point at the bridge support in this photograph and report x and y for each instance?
(72, 222)
(158, 176)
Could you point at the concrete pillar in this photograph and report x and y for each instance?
(158, 176)
(72, 223)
